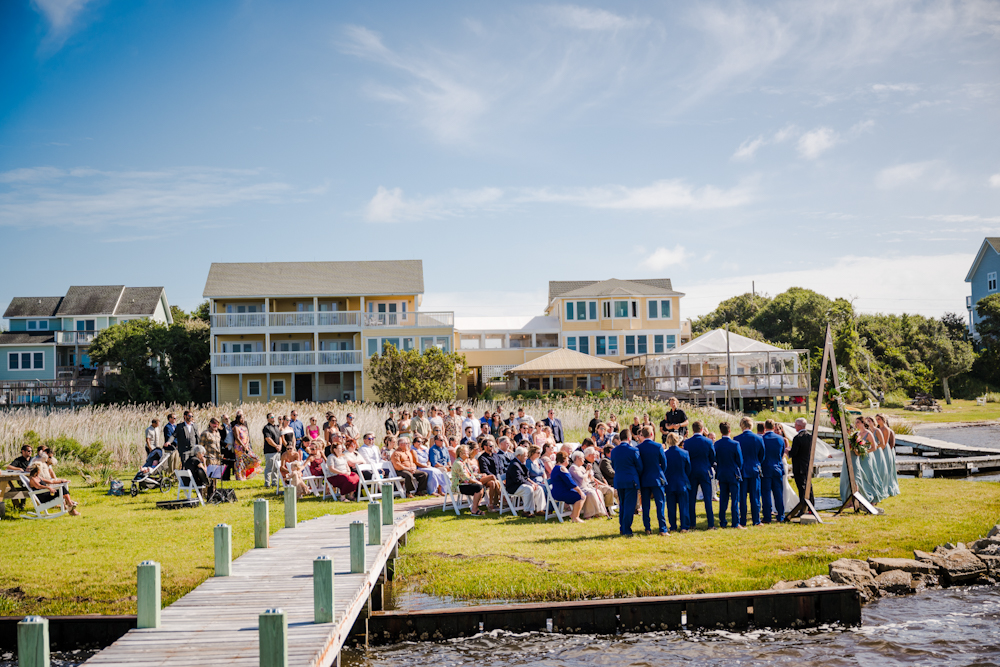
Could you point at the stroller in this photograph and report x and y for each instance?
(155, 473)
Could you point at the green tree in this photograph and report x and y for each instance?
(411, 377)
(129, 346)
(738, 310)
(202, 312)
(178, 315)
(988, 310)
(951, 358)
(955, 326)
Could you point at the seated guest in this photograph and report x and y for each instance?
(468, 438)
(49, 489)
(368, 451)
(438, 455)
(506, 452)
(437, 479)
(20, 464)
(316, 460)
(607, 469)
(564, 489)
(524, 434)
(602, 436)
(491, 465)
(195, 464)
(405, 465)
(340, 475)
(453, 448)
(548, 457)
(463, 480)
(536, 469)
(291, 468)
(593, 502)
(518, 483)
(596, 477)
(353, 456)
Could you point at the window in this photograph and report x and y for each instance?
(593, 310)
(440, 342)
(38, 325)
(581, 310)
(642, 344)
(613, 345)
(392, 341)
(278, 388)
(629, 344)
(665, 309)
(569, 310)
(85, 325)
(601, 347)
(372, 346)
(635, 309)
(659, 309)
(253, 387)
(407, 343)
(991, 281)
(657, 342)
(585, 344)
(671, 341)
(621, 308)
(571, 343)
(25, 361)
(653, 309)
(606, 309)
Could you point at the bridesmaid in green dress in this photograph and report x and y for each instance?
(881, 461)
(889, 438)
(863, 466)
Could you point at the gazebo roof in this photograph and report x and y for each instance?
(563, 361)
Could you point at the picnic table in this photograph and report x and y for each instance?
(10, 489)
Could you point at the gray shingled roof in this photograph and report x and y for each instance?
(994, 241)
(27, 338)
(33, 306)
(90, 300)
(651, 287)
(362, 278)
(139, 301)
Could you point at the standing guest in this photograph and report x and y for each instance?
(405, 422)
(246, 461)
(463, 480)
(186, 436)
(341, 477)
(523, 418)
(678, 482)
(518, 483)
(211, 441)
(298, 428)
(470, 420)
(801, 454)
(627, 479)
(287, 432)
(773, 470)
(168, 430)
(564, 489)
(592, 426)
(453, 424)
(674, 421)
(752, 447)
(405, 465)
(702, 453)
(556, 425)
(152, 436)
(420, 425)
(436, 418)
(272, 452)
(312, 430)
(227, 441)
(329, 426)
(485, 421)
(496, 424)
(653, 481)
(349, 429)
(729, 473)
(635, 428)
(390, 424)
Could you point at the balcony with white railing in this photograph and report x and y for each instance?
(287, 362)
(406, 320)
(238, 320)
(342, 320)
(75, 337)
(239, 360)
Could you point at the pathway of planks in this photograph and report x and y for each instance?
(216, 623)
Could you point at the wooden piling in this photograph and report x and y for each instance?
(374, 523)
(387, 510)
(261, 524)
(273, 638)
(148, 594)
(323, 590)
(223, 550)
(291, 509)
(357, 547)
(33, 642)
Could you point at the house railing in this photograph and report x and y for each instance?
(417, 319)
(350, 318)
(227, 320)
(293, 358)
(264, 360)
(239, 360)
(338, 357)
(75, 337)
(342, 318)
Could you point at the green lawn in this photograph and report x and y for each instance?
(86, 564)
(526, 559)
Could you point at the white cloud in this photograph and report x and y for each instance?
(748, 148)
(814, 143)
(661, 258)
(895, 87)
(46, 196)
(929, 173)
(391, 206)
(995, 181)
(584, 18)
(60, 13)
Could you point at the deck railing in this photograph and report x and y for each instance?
(75, 337)
(342, 318)
(229, 320)
(418, 319)
(264, 360)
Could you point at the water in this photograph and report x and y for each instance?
(942, 627)
(986, 436)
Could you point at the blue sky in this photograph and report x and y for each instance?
(850, 147)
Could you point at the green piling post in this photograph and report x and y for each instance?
(273, 634)
(261, 524)
(33, 642)
(223, 550)
(323, 590)
(374, 523)
(357, 547)
(148, 594)
(291, 511)
(387, 504)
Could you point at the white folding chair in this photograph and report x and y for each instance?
(457, 500)
(187, 486)
(554, 507)
(514, 503)
(43, 510)
(329, 489)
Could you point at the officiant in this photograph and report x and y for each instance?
(801, 455)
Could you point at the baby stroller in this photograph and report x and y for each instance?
(155, 473)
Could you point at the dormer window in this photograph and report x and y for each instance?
(991, 281)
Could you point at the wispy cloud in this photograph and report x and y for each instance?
(46, 196)
(391, 205)
(60, 13)
(995, 181)
(895, 87)
(811, 144)
(662, 258)
(814, 143)
(585, 18)
(929, 173)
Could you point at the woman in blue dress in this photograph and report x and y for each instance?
(863, 466)
(564, 489)
(889, 438)
(879, 461)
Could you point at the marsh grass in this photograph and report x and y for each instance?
(522, 559)
(86, 564)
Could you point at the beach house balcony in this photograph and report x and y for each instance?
(324, 321)
(75, 337)
(287, 362)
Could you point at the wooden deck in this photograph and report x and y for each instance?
(216, 623)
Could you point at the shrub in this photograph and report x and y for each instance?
(895, 399)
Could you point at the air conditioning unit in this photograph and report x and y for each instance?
(348, 396)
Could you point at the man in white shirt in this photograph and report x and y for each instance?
(470, 420)
(153, 436)
(372, 454)
(436, 419)
(523, 419)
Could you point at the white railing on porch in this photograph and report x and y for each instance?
(227, 320)
(339, 357)
(418, 319)
(239, 360)
(265, 360)
(75, 337)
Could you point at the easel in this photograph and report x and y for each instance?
(857, 499)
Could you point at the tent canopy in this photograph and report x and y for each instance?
(714, 342)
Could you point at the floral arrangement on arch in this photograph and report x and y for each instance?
(832, 401)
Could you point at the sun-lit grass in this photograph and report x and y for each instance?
(86, 564)
(960, 410)
(526, 559)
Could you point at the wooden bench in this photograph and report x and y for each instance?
(10, 489)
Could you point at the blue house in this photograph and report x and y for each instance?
(44, 356)
(983, 276)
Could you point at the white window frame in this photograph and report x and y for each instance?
(31, 359)
(274, 387)
(37, 325)
(597, 346)
(250, 383)
(571, 343)
(991, 281)
(606, 310)
(613, 346)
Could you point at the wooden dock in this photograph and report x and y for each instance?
(216, 623)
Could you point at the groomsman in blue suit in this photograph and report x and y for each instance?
(729, 472)
(653, 479)
(628, 474)
(678, 483)
(702, 453)
(752, 446)
(773, 470)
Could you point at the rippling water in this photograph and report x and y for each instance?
(943, 627)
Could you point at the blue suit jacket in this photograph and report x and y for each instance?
(774, 454)
(628, 466)
(728, 460)
(753, 453)
(702, 453)
(654, 464)
(678, 469)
